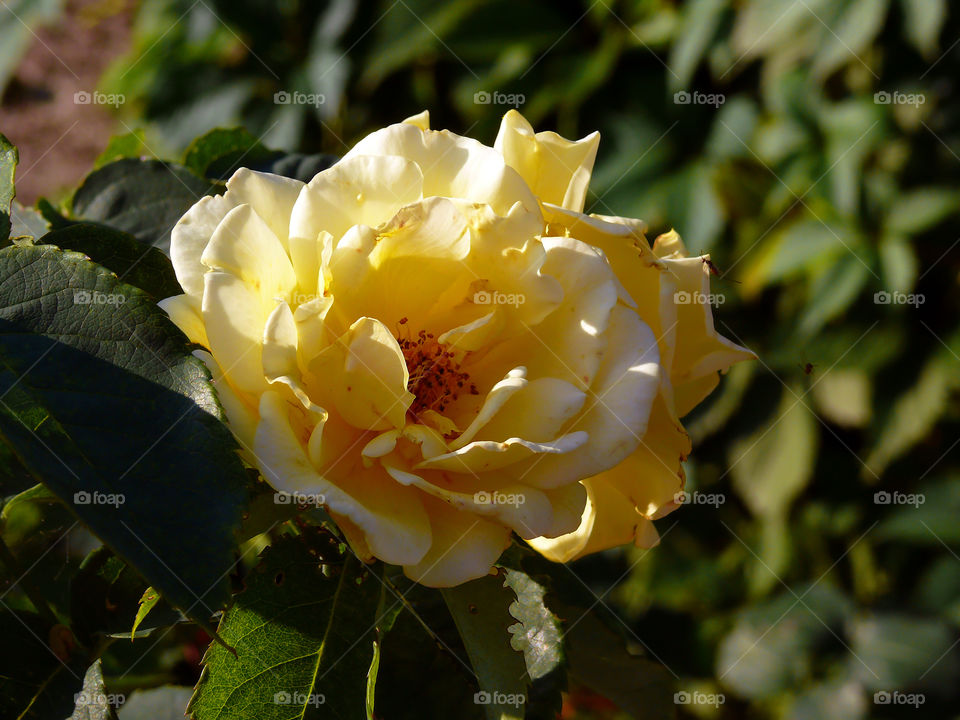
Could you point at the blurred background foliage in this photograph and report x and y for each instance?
(823, 180)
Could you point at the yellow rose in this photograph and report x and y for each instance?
(432, 337)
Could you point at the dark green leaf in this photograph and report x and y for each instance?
(303, 630)
(414, 656)
(221, 151)
(103, 401)
(145, 198)
(140, 265)
(481, 610)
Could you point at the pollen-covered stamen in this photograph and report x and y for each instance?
(436, 379)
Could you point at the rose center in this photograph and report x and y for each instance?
(436, 379)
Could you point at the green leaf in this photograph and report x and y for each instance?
(148, 601)
(923, 21)
(845, 39)
(140, 265)
(8, 169)
(921, 209)
(598, 658)
(830, 701)
(128, 145)
(303, 630)
(697, 29)
(481, 610)
(832, 292)
(769, 648)
(898, 262)
(105, 404)
(422, 645)
(894, 651)
(93, 702)
(927, 516)
(221, 151)
(915, 411)
(145, 198)
(595, 648)
(105, 596)
(773, 465)
(33, 524)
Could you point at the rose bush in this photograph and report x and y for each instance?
(433, 337)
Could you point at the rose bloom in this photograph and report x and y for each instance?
(433, 337)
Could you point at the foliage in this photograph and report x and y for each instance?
(810, 146)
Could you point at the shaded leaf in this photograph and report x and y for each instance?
(106, 405)
(481, 610)
(142, 197)
(773, 465)
(303, 637)
(140, 265)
